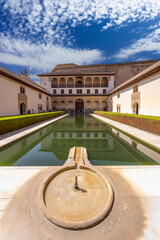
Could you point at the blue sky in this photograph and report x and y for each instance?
(39, 34)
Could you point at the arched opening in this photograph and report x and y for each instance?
(88, 82)
(104, 106)
(137, 108)
(54, 83)
(62, 83)
(70, 82)
(79, 82)
(55, 105)
(96, 82)
(96, 106)
(63, 105)
(88, 107)
(79, 106)
(70, 106)
(22, 109)
(104, 82)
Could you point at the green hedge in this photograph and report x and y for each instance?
(8, 124)
(112, 114)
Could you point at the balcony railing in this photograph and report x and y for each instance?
(78, 85)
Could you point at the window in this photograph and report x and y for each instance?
(70, 91)
(135, 89)
(88, 91)
(118, 95)
(96, 91)
(104, 90)
(79, 91)
(54, 91)
(40, 95)
(22, 90)
(62, 91)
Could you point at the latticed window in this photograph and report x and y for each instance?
(135, 89)
(22, 90)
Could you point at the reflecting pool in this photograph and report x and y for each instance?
(50, 145)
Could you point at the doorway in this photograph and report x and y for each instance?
(22, 108)
(79, 106)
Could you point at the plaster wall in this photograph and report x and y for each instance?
(34, 100)
(124, 101)
(9, 102)
(150, 96)
(44, 82)
(8, 97)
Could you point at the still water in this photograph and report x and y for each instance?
(50, 146)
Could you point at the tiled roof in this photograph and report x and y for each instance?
(139, 77)
(22, 79)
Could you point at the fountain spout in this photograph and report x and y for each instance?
(76, 183)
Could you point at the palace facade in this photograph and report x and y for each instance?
(126, 87)
(86, 89)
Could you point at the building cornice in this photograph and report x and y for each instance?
(78, 74)
(155, 68)
(29, 83)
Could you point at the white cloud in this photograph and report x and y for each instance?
(43, 57)
(47, 15)
(150, 43)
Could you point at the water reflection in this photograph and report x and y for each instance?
(50, 146)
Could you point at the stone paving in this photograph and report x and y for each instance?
(144, 136)
(10, 137)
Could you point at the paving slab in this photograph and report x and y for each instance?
(135, 213)
(10, 137)
(146, 137)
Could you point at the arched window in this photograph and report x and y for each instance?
(70, 82)
(96, 82)
(54, 83)
(104, 106)
(79, 82)
(88, 82)
(62, 83)
(104, 82)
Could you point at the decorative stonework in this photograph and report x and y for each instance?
(22, 98)
(135, 98)
(60, 102)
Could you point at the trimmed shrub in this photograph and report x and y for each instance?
(143, 122)
(8, 124)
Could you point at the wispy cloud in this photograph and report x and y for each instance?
(150, 43)
(49, 17)
(43, 57)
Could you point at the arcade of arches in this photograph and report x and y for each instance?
(79, 82)
(80, 104)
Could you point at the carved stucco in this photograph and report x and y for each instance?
(22, 98)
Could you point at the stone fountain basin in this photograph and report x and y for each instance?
(72, 208)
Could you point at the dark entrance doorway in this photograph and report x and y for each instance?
(79, 106)
(137, 108)
(22, 108)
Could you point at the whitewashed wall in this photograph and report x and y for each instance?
(8, 97)
(149, 97)
(124, 100)
(9, 90)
